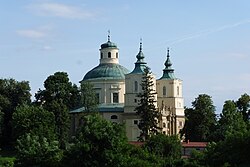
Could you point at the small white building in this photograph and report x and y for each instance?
(117, 89)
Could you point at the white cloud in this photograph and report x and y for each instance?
(35, 33)
(238, 56)
(60, 10)
(47, 48)
(31, 33)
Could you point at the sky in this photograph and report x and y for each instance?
(209, 41)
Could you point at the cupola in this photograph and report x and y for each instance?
(140, 64)
(109, 52)
(168, 72)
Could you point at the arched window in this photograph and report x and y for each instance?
(109, 54)
(136, 86)
(178, 91)
(164, 91)
(114, 117)
(101, 55)
(116, 54)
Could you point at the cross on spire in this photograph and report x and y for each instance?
(108, 35)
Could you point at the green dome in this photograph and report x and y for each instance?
(108, 45)
(107, 71)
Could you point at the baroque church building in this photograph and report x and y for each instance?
(117, 88)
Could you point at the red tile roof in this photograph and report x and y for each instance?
(194, 144)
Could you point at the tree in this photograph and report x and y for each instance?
(200, 120)
(233, 151)
(146, 108)
(166, 147)
(34, 120)
(230, 122)
(61, 119)
(98, 143)
(243, 105)
(12, 94)
(88, 97)
(33, 150)
(1, 123)
(57, 87)
(59, 96)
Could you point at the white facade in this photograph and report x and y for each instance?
(117, 90)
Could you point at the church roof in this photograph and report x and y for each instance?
(140, 65)
(108, 44)
(115, 107)
(107, 71)
(168, 72)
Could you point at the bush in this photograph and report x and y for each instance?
(7, 161)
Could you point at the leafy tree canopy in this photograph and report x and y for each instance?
(88, 97)
(12, 94)
(33, 150)
(61, 120)
(200, 120)
(243, 105)
(34, 120)
(233, 151)
(164, 146)
(99, 143)
(58, 86)
(230, 121)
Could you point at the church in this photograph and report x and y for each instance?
(117, 88)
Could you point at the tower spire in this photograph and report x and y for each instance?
(168, 72)
(140, 44)
(108, 35)
(140, 65)
(140, 55)
(168, 52)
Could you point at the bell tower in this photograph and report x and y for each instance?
(170, 99)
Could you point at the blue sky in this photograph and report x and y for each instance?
(209, 40)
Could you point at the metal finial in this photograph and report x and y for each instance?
(140, 44)
(168, 52)
(109, 35)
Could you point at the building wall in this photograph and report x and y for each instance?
(113, 116)
(171, 104)
(106, 88)
(104, 55)
(131, 93)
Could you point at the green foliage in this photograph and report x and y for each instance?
(138, 157)
(200, 120)
(12, 94)
(165, 147)
(146, 108)
(33, 150)
(243, 105)
(7, 161)
(61, 119)
(34, 120)
(58, 87)
(88, 97)
(196, 159)
(59, 96)
(103, 143)
(230, 122)
(1, 123)
(99, 143)
(233, 151)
